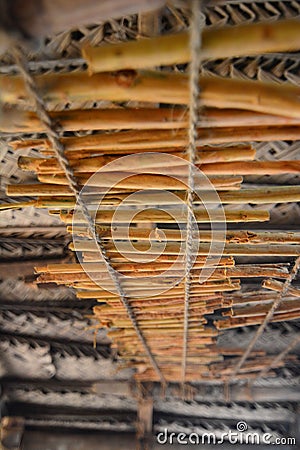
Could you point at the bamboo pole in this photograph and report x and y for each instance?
(158, 87)
(224, 42)
(173, 118)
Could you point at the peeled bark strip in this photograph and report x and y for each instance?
(255, 320)
(157, 216)
(173, 249)
(286, 306)
(256, 196)
(95, 163)
(165, 141)
(163, 235)
(17, 121)
(277, 286)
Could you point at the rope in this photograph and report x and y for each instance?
(195, 48)
(279, 357)
(268, 317)
(58, 148)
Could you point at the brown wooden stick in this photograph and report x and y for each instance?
(218, 274)
(226, 183)
(241, 40)
(158, 216)
(162, 235)
(257, 196)
(158, 87)
(16, 121)
(173, 249)
(256, 320)
(154, 180)
(165, 141)
(43, 165)
(96, 267)
(277, 286)
(286, 306)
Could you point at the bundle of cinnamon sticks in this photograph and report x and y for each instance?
(233, 112)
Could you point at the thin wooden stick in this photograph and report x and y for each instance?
(163, 235)
(158, 216)
(46, 165)
(128, 185)
(256, 196)
(277, 286)
(286, 306)
(17, 121)
(165, 141)
(204, 249)
(256, 320)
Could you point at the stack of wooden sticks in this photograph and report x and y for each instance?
(234, 112)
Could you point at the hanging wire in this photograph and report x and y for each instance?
(195, 49)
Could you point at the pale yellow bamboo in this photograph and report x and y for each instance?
(241, 40)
